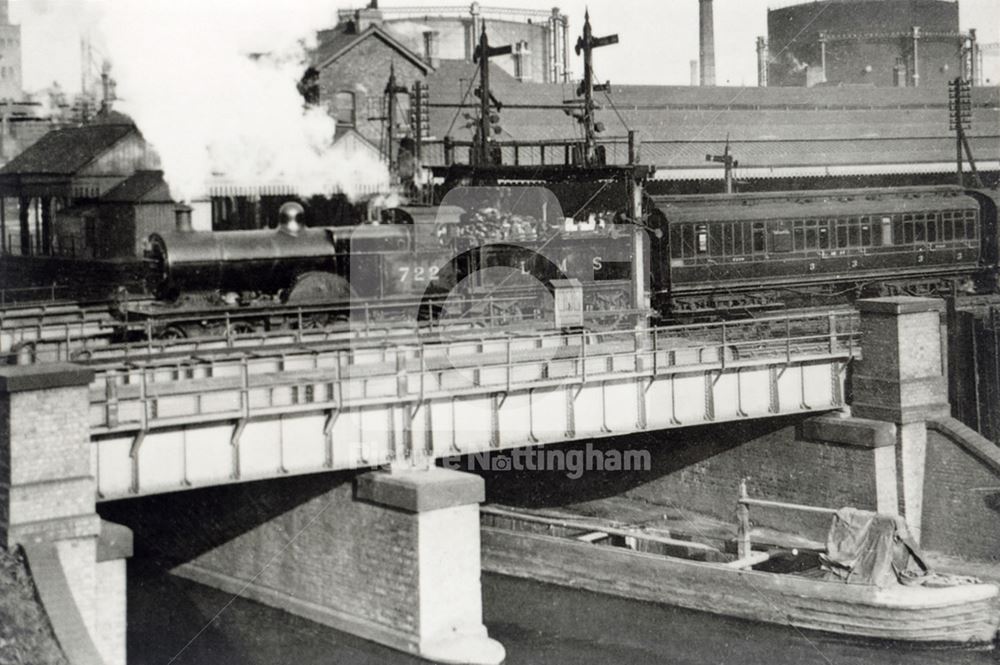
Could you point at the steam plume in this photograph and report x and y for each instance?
(186, 75)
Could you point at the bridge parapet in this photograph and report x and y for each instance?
(261, 415)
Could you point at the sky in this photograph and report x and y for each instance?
(658, 37)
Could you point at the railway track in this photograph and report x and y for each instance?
(52, 331)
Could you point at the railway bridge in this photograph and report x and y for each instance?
(393, 554)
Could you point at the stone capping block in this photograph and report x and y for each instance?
(857, 432)
(114, 542)
(25, 378)
(419, 491)
(900, 305)
(965, 437)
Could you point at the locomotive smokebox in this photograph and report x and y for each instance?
(182, 219)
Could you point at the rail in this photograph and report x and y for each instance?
(36, 337)
(134, 397)
(27, 295)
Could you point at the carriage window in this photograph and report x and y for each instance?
(866, 232)
(897, 231)
(702, 238)
(824, 237)
(798, 236)
(715, 239)
(841, 235)
(970, 225)
(886, 231)
(908, 232)
(781, 237)
(947, 226)
(759, 240)
(919, 228)
(932, 228)
(734, 242)
(853, 232)
(687, 240)
(811, 236)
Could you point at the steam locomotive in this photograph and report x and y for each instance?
(491, 259)
(708, 256)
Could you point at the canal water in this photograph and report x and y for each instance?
(176, 622)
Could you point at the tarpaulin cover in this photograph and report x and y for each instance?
(869, 548)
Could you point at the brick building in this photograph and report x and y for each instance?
(540, 38)
(352, 64)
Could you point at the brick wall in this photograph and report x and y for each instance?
(961, 497)
(47, 494)
(364, 70)
(780, 466)
(49, 475)
(332, 552)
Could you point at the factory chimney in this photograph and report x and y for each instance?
(761, 62)
(707, 58)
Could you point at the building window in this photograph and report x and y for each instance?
(345, 108)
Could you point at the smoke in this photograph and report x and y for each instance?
(212, 86)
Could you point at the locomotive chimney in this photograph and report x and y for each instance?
(182, 217)
(707, 26)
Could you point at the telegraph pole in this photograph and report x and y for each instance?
(487, 120)
(959, 120)
(392, 88)
(586, 45)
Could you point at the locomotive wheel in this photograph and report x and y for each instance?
(81, 355)
(319, 287)
(171, 333)
(315, 321)
(242, 329)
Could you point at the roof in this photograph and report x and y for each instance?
(340, 40)
(769, 129)
(142, 187)
(810, 205)
(66, 151)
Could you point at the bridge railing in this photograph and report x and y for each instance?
(259, 383)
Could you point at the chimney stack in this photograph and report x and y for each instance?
(761, 62)
(431, 48)
(707, 42)
(367, 17)
(182, 218)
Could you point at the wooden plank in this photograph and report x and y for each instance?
(749, 561)
(593, 536)
(611, 531)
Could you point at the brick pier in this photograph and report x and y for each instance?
(392, 557)
(47, 506)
